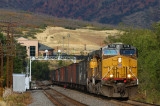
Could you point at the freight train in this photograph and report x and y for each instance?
(110, 71)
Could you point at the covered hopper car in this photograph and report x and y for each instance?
(110, 71)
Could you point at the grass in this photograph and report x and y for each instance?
(17, 99)
(32, 32)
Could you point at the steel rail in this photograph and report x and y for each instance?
(58, 98)
(121, 102)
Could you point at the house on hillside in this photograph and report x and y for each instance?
(34, 48)
(42, 48)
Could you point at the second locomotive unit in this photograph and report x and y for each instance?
(110, 71)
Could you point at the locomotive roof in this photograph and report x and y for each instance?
(118, 46)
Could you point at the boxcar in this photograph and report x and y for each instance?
(83, 72)
(62, 74)
(66, 74)
(53, 75)
(77, 73)
(58, 74)
(74, 73)
(69, 73)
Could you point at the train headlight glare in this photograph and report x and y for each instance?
(129, 75)
(119, 59)
(111, 75)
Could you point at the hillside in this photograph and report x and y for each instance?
(34, 26)
(29, 23)
(140, 13)
(53, 37)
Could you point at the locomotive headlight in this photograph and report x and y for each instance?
(111, 75)
(129, 75)
(119, 59)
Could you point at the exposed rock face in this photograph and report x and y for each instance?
(103, 11)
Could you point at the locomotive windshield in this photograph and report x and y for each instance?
(110, 52)
(127, 52)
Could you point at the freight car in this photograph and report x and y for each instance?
(110, 71)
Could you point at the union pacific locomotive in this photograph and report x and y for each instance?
(110, 71)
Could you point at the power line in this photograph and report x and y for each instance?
(8, 49)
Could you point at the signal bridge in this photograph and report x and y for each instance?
(72, 58)
(59, 57)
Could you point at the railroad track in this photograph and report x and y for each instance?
(132, 103)
(121, 102)
(58, 98)
(125, 102)
(61, 100)
(138, 103)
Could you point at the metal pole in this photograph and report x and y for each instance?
(8, 57)
(1, 69)
(11, 83)
(63, 43)
(85, 47)
(46, 55)
(68, 42)
(30, 68)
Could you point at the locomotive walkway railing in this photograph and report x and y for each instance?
(107, 72)
(130, 69)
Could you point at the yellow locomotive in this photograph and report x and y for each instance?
(112, 71)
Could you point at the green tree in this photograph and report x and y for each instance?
(147, 43)
(18, 61)
(40, 70)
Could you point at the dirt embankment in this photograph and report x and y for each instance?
(79, 39)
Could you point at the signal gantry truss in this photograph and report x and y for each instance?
(47, 58)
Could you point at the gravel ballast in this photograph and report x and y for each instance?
(40, 99)
(83, 98)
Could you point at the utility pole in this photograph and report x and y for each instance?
(11, 83)
(8, 56)
(57, 48)
(1, 68)
(68, 42)
(63, 43)
(85, 47)
(9, 80)
(8, 49)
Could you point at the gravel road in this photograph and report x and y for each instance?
(84, 98)
(40, 99)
